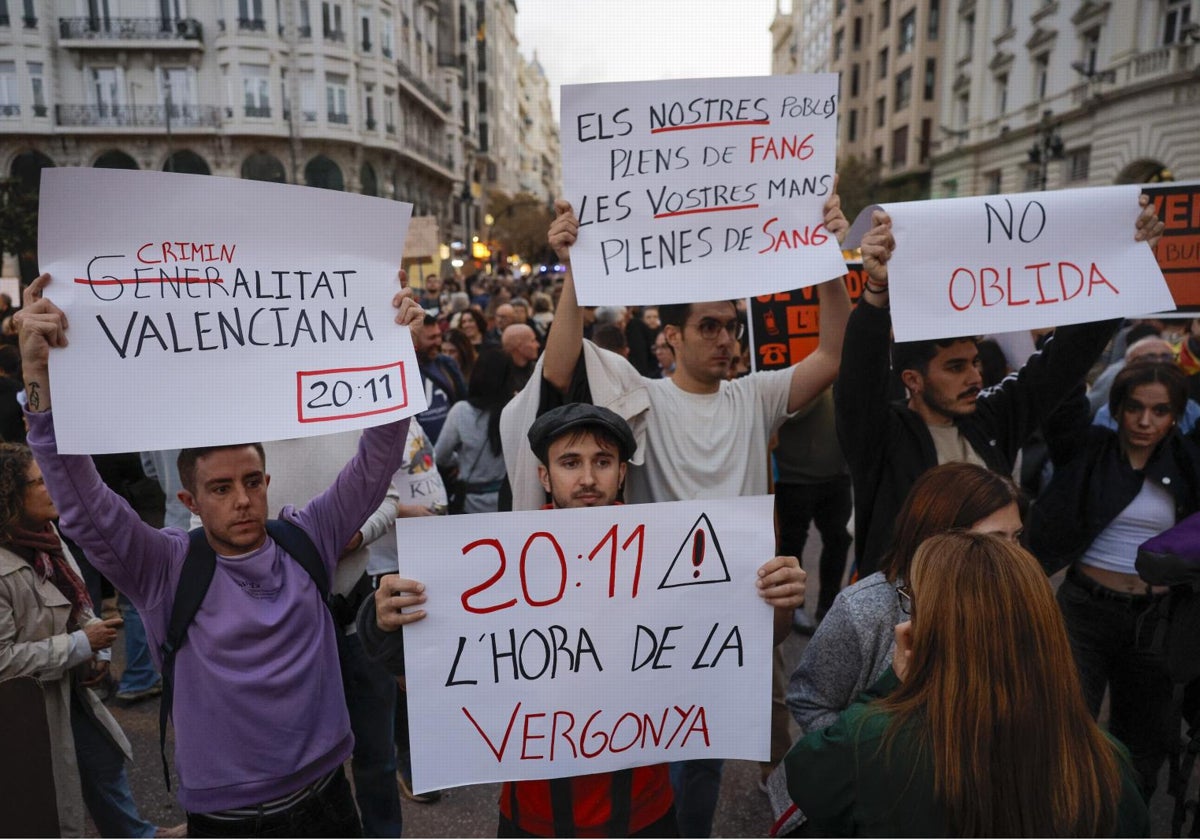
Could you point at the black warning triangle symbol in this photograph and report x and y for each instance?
(699, 559)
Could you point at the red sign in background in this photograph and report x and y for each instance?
(785, 327)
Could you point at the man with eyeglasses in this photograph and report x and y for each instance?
(700, 435)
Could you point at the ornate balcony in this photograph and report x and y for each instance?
(82, 32)
(137, 116)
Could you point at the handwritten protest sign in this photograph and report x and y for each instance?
(579, 641)
(997, 263)
(212, 310)
(786, 327)
(681, 186)
(1178, 252)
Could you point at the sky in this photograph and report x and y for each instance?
(583, 41)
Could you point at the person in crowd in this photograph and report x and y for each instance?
(473, 325)
(469, 447)
(812, 485)
(504, 318)
(49, 631)
(458, 347)
(431, 296)
(639, 337)
(1098, 393)
(853, 646)
(443, 381)
(947, 416)
(1152, 349)
(12, 418)
(260, 737)
(583, 453)
(979, 728)
(520, 344)
(704, 436)
(1112, 491)
(610, 337)
(664, 354)
(543, 314)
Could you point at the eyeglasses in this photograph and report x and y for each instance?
(710, 328)
(906, 599)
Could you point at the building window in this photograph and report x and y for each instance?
(992, 182)
(369, 109)
(256, 90)
(10, 102)
(883, 63)
(1090, 49)
(903, 89)
(387, 35)
(30, 17)
(335, 99)
(304, 20)
(250, 15)
(389, 110)
(1001, 94)
(856, 42)
(37, 85)
(900, 147)
(308, 96)
(854, 80)
(1006, 15)
(962, 110)
(4, 19)
(930, 79)
(908, 32)
(331, 22)
(1176, 19)
(1041, 75)
(877, 156)
(926, 138)
(1033, 179)
(838, 38)
(1078, 163)
(966, 32)
(885, 14)
(364, 22)
(880, 111)
(934, 19)
(852, 126)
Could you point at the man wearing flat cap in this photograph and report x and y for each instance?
(583, 452)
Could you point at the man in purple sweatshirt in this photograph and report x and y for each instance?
(261, 728)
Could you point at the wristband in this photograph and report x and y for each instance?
(879, 290)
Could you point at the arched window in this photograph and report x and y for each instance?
(324, 173)
(115, 159)
(261, 166)
(188, 162)
(27, 168)
(370, 186)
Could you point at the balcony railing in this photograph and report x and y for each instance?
(133, 29)
(416, 81)
(30, 21)
(339, 119)
(304, 31)
(261, 111)
(10, 110)
(252, 25)
(386, 51)
(371, 124)
(335, 35)
(438, 157)
(144, 116)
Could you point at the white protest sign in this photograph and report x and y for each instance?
(206, 310)
(576, 641)
(684, 186)
(999, 263)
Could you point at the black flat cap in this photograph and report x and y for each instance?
(558, 421)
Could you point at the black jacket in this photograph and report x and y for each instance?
(1093, 482)
(887, 445)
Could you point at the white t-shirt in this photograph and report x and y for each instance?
(1151, 512)
(710, 446)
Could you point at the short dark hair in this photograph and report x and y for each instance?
(1149, 372)
(676, 314)
(610, 337)
(916, 355)
(186, 462)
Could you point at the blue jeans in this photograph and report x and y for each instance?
(139, 673)
(102, 774)
(1109, 640)
(697, 783)
(371, 701)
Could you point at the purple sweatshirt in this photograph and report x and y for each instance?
(259, 710)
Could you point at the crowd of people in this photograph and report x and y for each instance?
(943, 690)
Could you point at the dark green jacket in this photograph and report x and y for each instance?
(841, 781)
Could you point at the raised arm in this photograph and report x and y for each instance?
(812, 375)
(564, 344)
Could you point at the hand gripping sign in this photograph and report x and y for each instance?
(565, 642)
(681, 185)
(999, 263)
(211, 310)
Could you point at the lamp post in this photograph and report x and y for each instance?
(1047, 146)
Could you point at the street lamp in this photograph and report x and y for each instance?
(1047, 146)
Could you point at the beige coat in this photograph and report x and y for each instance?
(34, 642)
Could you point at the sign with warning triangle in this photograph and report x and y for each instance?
(699, 559)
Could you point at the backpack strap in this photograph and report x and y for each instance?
(199, 565)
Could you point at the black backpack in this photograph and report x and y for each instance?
(198, 568)
(1173, 559)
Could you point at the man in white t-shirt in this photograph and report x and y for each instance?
(705, 436)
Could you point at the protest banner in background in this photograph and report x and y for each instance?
(999, 263)
(207, 310)
(1178, 252)
(786, 327)
(685, 189)
(576, 641)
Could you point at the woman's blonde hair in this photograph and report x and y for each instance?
(993, 699)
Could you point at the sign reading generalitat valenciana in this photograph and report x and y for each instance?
(684, 186)
(565, 642)
(206, 310)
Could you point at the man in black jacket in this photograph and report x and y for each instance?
(947, 416)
